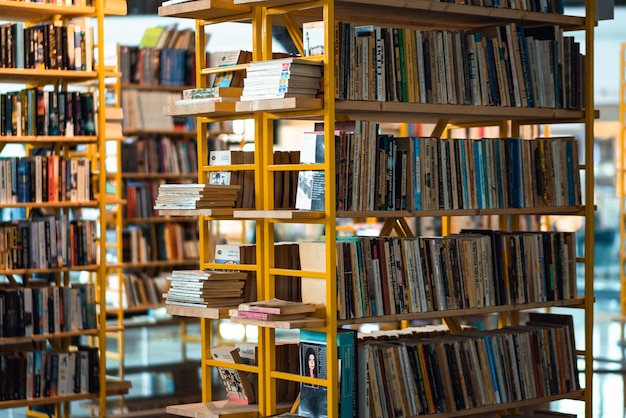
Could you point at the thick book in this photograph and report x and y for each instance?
(236, 383)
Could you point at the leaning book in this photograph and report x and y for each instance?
(235, 382)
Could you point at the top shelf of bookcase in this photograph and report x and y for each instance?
(40, 12)
(422, 14)
(204, 9)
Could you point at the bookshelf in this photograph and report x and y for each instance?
(143, 246)
(54, 205)
(338, 105)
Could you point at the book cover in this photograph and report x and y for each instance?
(313, 398)
(236, 383)
(311, 188)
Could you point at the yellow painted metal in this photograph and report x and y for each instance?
(621, 179)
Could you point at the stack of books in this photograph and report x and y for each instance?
(273, 310)
(282, 78)
(196, 196)
(205, 288)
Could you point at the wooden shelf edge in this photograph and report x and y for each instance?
(196, 212)
(216, 409)
(208, 313)
(221, 409)
(576, 302)
(277, 214)
(203, 9)
(294, 324)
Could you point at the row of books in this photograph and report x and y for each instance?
(474, 269)
(38, 374)
(53, 45)
(493, 173)
(27, 311)
(49, 241)
(380, 172)
(154, 66)
(285, 182)
(140, 196)
(454, 372)
(205, 288)
(35, 111)
(138, 289)
(286, 256)
(159, 154)
(160, 242)
(506, 65)
(144, 110)
(43, 178)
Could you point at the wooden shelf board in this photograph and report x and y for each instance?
(173, 132)
(26, 75)
(221, 409)
(217, 409)
(169, 263)
(294, 324)
(576, 302)
(48, 336)
(45, 400)
(160, 219)
(189, 311)
(90, 267)
(116, 386)
(200, 109)
(277, 214)
(164, 176)
(197, 212)
(290, 103)
(424, 14)
(48, 139)
(153, 87)
(21, 11)
(403, 112)
(204, 9)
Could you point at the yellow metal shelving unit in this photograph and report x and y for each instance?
(90, 147)
(262, 14)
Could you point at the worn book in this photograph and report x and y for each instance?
(236, 383)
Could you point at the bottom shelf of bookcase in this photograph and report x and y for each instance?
(220, 409)
(488, 410)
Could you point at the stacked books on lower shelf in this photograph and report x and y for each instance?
(205, 288)
(273, 310)
(195, 196)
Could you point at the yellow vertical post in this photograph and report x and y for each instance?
(330, 210)
(620, 185)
